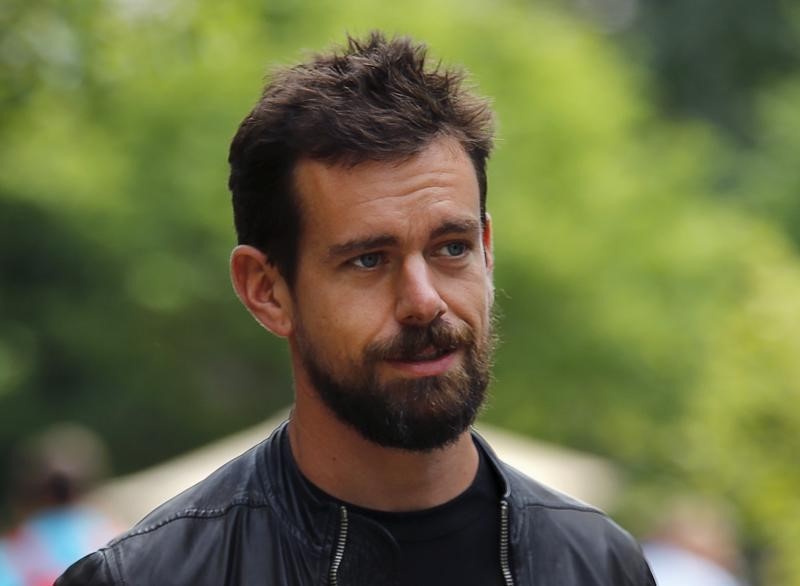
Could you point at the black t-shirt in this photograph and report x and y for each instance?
(454, 544)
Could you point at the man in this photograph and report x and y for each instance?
(359, 194)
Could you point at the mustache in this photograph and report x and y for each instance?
(410, 342)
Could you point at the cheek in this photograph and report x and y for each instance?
(471, 301)
(341, 323)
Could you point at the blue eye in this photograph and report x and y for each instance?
(456, 248)
(367, 261)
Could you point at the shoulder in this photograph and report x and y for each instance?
(239, 483)
(555, 511)
(568, 535)
(201, 523)
(92, 570)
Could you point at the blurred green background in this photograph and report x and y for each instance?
(645, 196)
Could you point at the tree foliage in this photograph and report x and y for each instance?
(647, 269)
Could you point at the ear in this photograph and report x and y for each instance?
(262, 289)
(486, 238)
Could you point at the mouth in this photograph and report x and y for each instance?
(430, 353)
(430, 362)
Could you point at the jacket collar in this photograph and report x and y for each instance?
(291, 497)
(496, 464)
(308, 517)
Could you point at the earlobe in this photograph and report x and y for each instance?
(488, 256)
(486, 238)
(262, 289)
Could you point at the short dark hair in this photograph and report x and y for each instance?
(370, 100)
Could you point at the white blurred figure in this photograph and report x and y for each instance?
(694, 545)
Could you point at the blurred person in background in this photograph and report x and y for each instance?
(359, 192)
(50, 473)
(694, 544)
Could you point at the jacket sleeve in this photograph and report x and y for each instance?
(92, 570)
(641, 574)
(628, 564)
(638, 573)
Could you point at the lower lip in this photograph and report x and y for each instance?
(425, 367)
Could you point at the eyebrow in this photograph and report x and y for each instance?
(359, 244)
(356, 245)
(466, 226)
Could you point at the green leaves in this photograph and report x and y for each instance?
(647, 268)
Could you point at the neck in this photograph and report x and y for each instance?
(339, 461)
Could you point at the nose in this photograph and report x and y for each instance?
(418, 300)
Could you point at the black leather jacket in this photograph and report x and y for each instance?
(254, 521)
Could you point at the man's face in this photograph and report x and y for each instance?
(393, 295)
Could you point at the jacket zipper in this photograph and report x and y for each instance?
(505, 566)
(338, 553)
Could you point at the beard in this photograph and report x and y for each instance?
(416, 414)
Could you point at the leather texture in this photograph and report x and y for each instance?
(254, 521)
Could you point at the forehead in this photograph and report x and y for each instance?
(338, 201)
